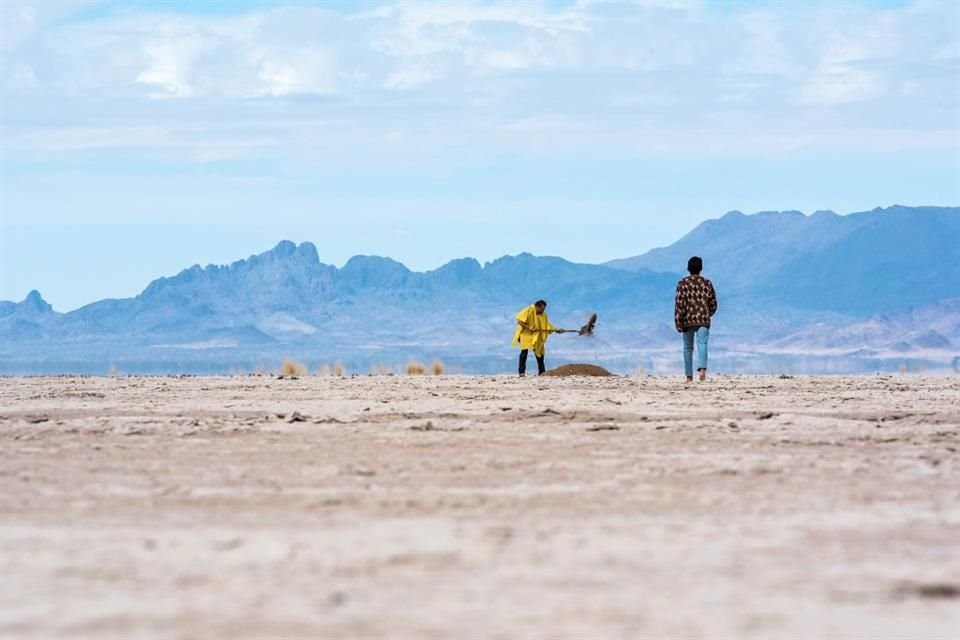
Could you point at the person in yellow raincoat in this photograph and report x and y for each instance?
(533, 329)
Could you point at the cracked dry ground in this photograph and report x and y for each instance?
(449, 507)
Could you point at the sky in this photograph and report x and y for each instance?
(140, 138)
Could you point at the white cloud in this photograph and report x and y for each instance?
(493, 77)
(309, 70)
(845, 73)
(477, 38)
(233, 63)
(182, 57)
(170, 63)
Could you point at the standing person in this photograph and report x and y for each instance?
(694, 305)
(533, 329)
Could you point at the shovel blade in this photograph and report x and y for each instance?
(587, 329)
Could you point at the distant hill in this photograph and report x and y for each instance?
(369, 293)
(931, 327)
(860, 263)
(874, 284)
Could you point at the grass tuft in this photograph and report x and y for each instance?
(292, 369)
(437, 367)
(415, 368)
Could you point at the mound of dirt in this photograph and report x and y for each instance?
(578, 370)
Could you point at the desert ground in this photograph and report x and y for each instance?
(480, 507)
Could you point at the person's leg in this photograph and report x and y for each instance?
(541, 363)
(688, 352)
(523, 361)
(703, 335)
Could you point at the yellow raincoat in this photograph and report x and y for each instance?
(536, 337)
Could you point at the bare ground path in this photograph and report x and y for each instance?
(484, 507)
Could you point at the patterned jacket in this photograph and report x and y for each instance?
(695, 303)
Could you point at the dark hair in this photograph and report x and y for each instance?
(695, 265)
(540, 303)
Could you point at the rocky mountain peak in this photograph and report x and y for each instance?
(34, 303)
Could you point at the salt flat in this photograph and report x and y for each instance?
(489, 507)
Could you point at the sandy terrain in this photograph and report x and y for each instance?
(457, 507)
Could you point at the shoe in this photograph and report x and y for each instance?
(523, 375)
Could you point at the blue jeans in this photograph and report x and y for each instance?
(702, 334)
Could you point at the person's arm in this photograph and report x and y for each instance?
(549, 328)
(523, 319)
(712, 302)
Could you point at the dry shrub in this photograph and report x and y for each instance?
(338, 370)
(437, 367)
(415, 368)
(292, 368)
(112, 372)
(324, 370)
(381, 370)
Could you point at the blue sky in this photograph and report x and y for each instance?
(140, 138)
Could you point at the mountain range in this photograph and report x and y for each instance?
(868, 262)
(875, 290)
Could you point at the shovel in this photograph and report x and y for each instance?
(585, 330)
